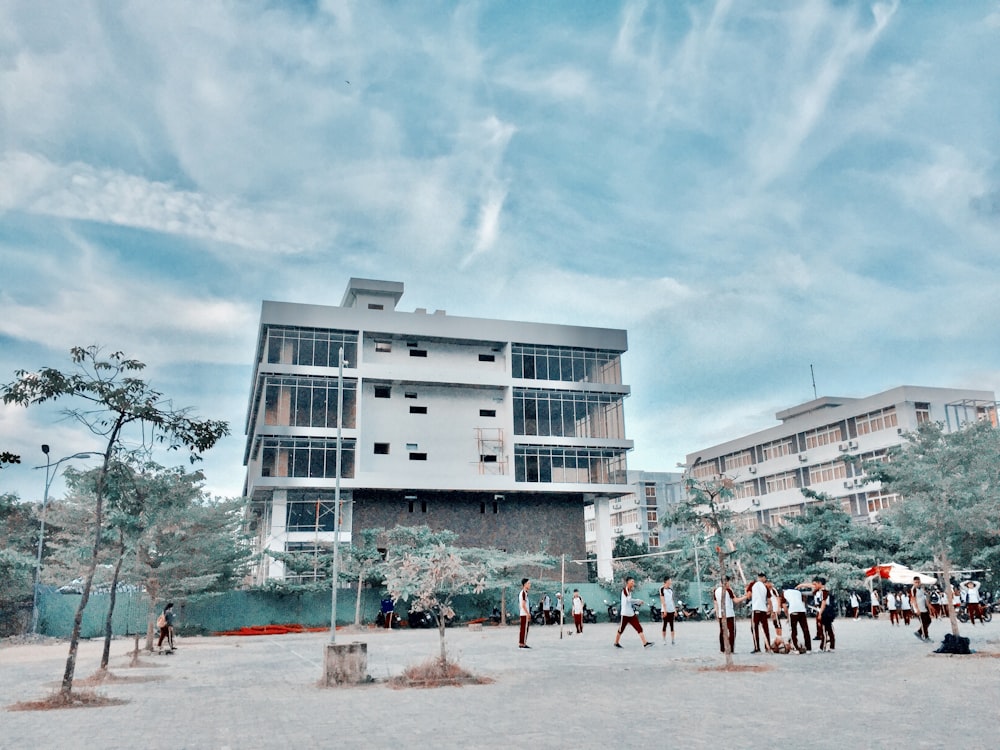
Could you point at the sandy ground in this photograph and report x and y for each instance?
(881, 688)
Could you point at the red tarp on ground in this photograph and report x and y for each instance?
(273, 630)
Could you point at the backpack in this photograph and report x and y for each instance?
(161, 621)
(830, 611)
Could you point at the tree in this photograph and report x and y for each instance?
(6, 457)
(17, 562)
(113, 401)
(703, 511)
(950, 485)
(365, 561)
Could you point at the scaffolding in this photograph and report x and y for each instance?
(968, 410)
(490, 447)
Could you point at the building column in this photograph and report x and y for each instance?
(604, 543)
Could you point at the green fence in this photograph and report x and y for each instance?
(232, 610)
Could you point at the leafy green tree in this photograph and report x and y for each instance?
(18, 528)
(113, 404)
(950, 485)
(364, 560)
(6, 457)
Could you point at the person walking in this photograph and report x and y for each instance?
(875, 604)
(855, 605)
(892, 607)
(905, 608)
(972, 601)
(918, 599)
(524, 608)
(578, 610)
(628, 614)
(668, 610)
(166, 624)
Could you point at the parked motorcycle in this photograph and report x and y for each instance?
(612, 611)
(589, 616)
(655, 613)
(421, 619)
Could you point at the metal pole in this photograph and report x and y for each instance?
(697, 575)
(51, 469)
(336, 494)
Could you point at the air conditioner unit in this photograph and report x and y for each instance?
(859, 481)
(755, 501)
(638, 527)
(752, 469)
(616, 505)
(842, 447)
(853, 444)
(803, 457)
(618, 529)
(848, 484)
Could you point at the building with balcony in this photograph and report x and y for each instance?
(808, 449)
(500, 431)
(637, 515)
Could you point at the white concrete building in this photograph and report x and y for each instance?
(500, 431)
(808, 448)
(636, 515)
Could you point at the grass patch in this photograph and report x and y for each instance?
(74, 699)
(437, 673)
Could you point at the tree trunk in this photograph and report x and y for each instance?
(945, 562)
(440, 621)
(74, 640)
(106, 654)
(357, 602)
(503, 605)
(153, 592)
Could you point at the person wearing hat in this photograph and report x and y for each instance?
(973, 605)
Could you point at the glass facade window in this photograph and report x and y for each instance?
(923, 411)
(304, 457)
(307, 402)
(538, 463)
(568, 414)
(309, 515)
(315, 347)
(569, 364)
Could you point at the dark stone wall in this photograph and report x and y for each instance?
(524, 522)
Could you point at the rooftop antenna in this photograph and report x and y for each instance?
(813, 376)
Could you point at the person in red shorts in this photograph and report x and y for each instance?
(628, 614)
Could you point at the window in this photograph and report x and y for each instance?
(824, 436)
(883, 419)
(307, 402)
(412, 344)
(418, 456)
(411, 446)
(409, 394)
(543, 463)
(375, 306)
(309, 515)
(738, 460)
(488, 458)
(383, 346)
(383, 391)
(418, 410)
(923, 410)
(777, 449)
(487, 412)
(304, 457)
(779, 482)
(569, 364)
(568, 414)
(827, 472)
(487, 358)
(418, 352)
(314, 347)
(381, 449)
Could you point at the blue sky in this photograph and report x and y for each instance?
(748, 188)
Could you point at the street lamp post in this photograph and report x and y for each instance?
(336, 494)
(51, 469)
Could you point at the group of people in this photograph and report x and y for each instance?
(768, 604)
(900, 602)
(524, 611)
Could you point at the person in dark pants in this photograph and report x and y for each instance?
(524, 608)
(628, 614)
(795, 610)
(826, 615)
(918, 599)
(725, 613)
(166, 624)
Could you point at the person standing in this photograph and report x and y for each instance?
(795, 610)
(892, 607)
(524, 608)
(578, 610)
(905, 608)
(875, 606)
(973, 603)
(547, 609)
(855, 605)
(166, 624)
(725, 613)
(826, 615)
(668, 609)
(918, 599)
(760, 605)
(628, 614)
